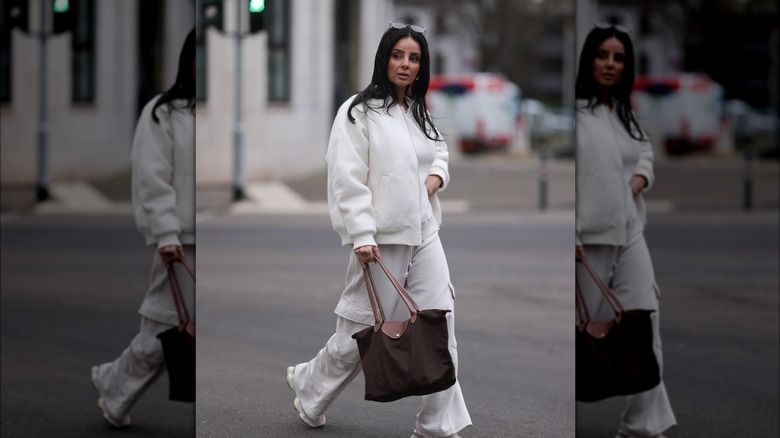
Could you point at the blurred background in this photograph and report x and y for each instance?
(707, 72)
(69, 100)
(497, 91)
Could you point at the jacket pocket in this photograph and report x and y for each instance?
(392, 205)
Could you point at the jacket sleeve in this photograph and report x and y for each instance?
(644, 166)
(579, 176)
(347, 161)
(440, 165)
(152, 175)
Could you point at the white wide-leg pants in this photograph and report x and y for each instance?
(121, 383)
(424, 268)
(629, 272)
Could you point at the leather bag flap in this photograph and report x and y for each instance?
(599, 329)
(394, 329)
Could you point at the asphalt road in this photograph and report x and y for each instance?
(268, 287)
(71, 287)
(718, 275)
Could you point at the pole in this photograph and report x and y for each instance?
(747, 185)
(238, 150)
(543, 179)
(42, 186)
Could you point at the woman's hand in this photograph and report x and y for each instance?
(366, 254)
(637, 183)
(432, 184)
(171, 253)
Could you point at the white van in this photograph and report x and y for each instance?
(481, 109)
(684, 112)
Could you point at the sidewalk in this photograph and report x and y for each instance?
(491, 182)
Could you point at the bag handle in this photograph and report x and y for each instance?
(178, 299)
(408, 300)
(376, 305)
(379, 317)
(582, 310)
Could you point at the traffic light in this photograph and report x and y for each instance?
(211, 14)
(15, 14)
(63, 16)
(256, 16)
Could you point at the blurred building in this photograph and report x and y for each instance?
(309, 56)
(113, 57)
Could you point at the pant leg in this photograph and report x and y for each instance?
(318, 382)
(122, 382)
(649, 412)
(442, 413)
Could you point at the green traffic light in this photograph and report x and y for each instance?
(60, 6)
(256, 6)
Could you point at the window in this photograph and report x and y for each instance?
(200, 65)
(12, 14)
(83, 51)
(279, 50)
(5, 65)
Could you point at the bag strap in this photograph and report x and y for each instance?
(605, 290)
(379, 316)
(582, 309)
(178, 298)
(188, 267)
(376, 305)
(407, 299)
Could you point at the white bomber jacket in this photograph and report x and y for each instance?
(163, 175)
(603, 192)
(374, 176)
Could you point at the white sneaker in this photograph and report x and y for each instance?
(623, 434)
(417, 434)
(118, 424)
(110, 419)
(311, 422)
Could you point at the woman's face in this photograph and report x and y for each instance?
(404, 63)
(609, 62)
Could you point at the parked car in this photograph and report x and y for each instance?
(753, 128)
(551, 128)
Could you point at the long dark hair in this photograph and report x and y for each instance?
(587, 88)
(382, 89)
(184, 87)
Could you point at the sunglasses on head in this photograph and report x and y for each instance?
(617, 27)
(414, 27)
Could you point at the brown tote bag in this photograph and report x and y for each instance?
(613, 357)
(179, 345)
(403, 358)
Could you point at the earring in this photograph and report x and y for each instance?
(417, 78)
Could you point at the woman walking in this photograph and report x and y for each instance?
(386, 163)
(614, 168)
(163, 192)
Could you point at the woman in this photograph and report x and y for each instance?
(163, 193)
(386, 162)
(614, 167)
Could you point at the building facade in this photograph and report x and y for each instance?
(99, 74)
(310, 57)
